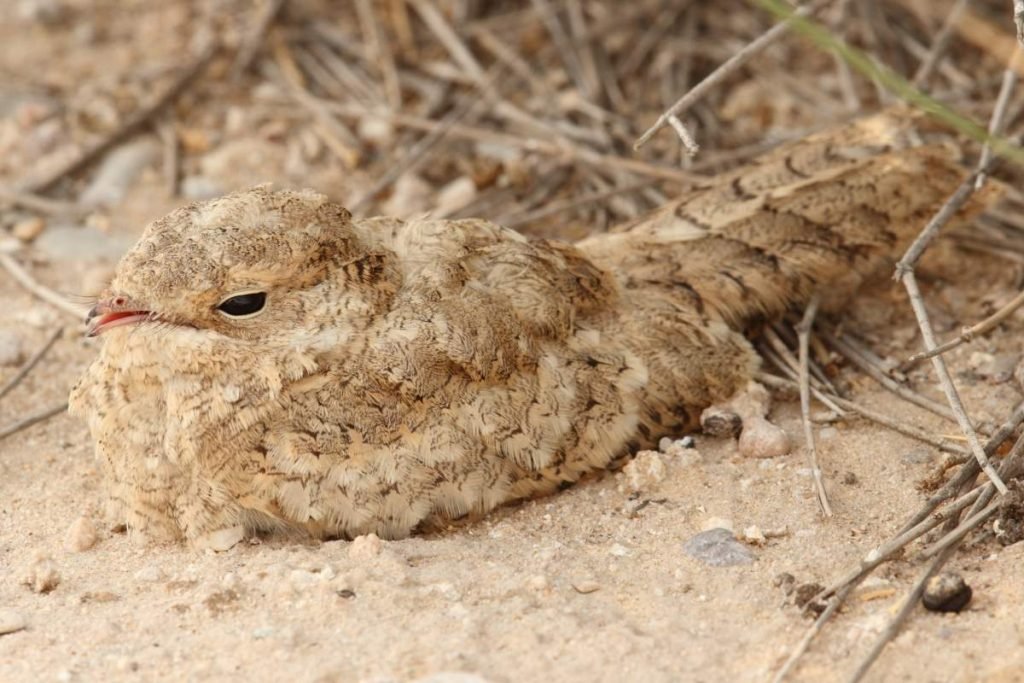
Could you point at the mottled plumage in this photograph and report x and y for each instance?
(400, 372)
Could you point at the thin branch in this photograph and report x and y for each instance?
(254, 39)
(25, 279)
(27, 422)
(946, 381)
(855, 355)
(727, 68)
(909, 603)
(1018, 19)
(833, 606)
(31, 363)
(803, 336)
(939, 44)
(976, 330)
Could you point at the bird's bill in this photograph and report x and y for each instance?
(101, 319)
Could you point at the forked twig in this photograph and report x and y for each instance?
(946, 381)
(976, 330)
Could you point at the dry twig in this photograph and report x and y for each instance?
(974, 331)
(254, 39)
(729, 67)
(31, 362)
(804, 335)
(27, 422)
(25, 279)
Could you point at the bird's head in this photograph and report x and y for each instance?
(255, 264)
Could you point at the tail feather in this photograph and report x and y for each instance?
(822, 214)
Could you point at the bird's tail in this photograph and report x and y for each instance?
(818, 215)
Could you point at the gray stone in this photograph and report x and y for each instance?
(11, 348)
(73, 243)
(119, 171)
(718, 548)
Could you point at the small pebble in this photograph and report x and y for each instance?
(644, 472)
(200, 187)
(753, 535)
(119, 170)
(455, 195)
(452, 677)
(668, 446)
(42, 576)
(999, 368)
(221, 540)
(946, 592)
(377, 130)
(28, 229)
(718, 548)
(262, 632)
(365, 547)
(762, 439)
(538, 582)
(918, 456)
(10, 621)
(827, 433)
(410, 197)
(721, 422)
(11, 352)
(618, 550)
(805, 593)
(81, 535)
(150, 574)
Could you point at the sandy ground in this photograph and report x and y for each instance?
(590, 585)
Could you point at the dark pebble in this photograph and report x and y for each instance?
(946, 592)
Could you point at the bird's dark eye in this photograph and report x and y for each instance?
(242, 305)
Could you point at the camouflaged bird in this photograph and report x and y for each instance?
(270, 363)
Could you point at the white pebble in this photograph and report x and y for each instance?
(221, 539)
(11, 352)
(10, 621)
(42, 576)
(150, 574)
(762, 439)
(365, 547)
(753, 535)
(537, 582)
(81, 535)
(618, 550)
(644, 472)
(455, 195)
(717, 523)
(28, 229)
(452, 677)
